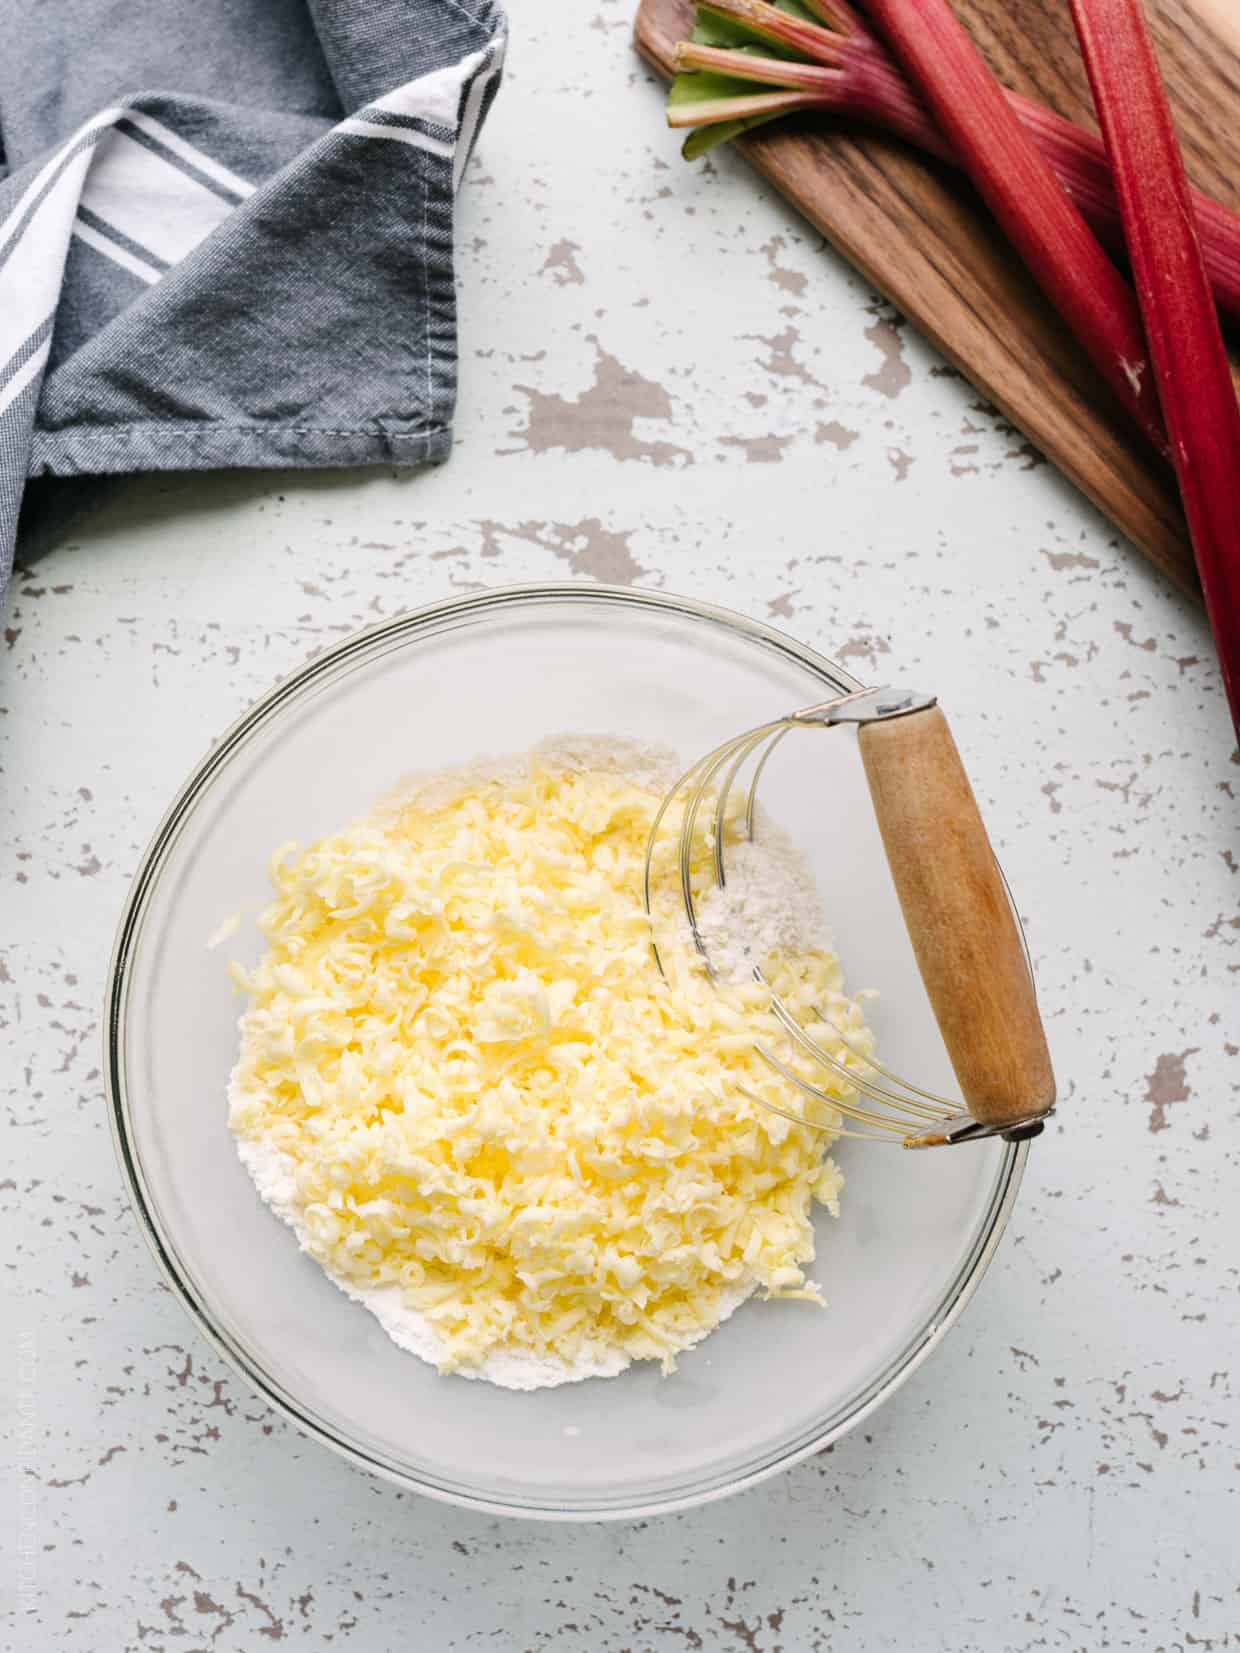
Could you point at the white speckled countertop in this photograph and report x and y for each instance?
(667, 380)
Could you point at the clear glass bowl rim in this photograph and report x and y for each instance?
(401, 628)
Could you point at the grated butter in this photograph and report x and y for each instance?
(465, 1084)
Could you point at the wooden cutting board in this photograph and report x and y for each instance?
(919, 235)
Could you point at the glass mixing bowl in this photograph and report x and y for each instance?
(494, 674)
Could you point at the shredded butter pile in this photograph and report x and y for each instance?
(484, 1093)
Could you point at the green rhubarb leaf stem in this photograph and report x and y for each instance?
(716, 111)
(772, 71)
(774, 27)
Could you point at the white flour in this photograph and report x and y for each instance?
(770, 903)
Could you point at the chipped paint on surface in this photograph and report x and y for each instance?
(792, 282)
(901, 463)
(604, 554)
(839, 436)
(1167, 1085)
(893, 376)
(780, 357)
(759, 450)
(603, 417)
(561, 264)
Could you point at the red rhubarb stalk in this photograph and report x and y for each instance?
(1079, 160)
(1190, 365)
(1016, 182)
(874, 88)
(870, 86)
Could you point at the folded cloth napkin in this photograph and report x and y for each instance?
(249, 264)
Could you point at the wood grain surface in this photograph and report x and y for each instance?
(915, 230)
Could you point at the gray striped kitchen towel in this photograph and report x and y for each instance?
(226, 231)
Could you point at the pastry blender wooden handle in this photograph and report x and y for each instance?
(955, 904)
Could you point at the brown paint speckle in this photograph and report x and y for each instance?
(900, 462)
(788, 281)
(602, 418)
(865, 646)
(1149, 644)
(561, 264)
(893, 375)
(837, 435)
(758, 450)
(587, 546)
(1062, 561)
(1167, 1085)
(780, 361)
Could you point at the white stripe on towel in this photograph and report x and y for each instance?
(399, 134)
(435, 97)
(28, 371)
(30, 277)
(473, 108)
(195, 157)
(97, 122)
(118, 254)
(150, 200)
